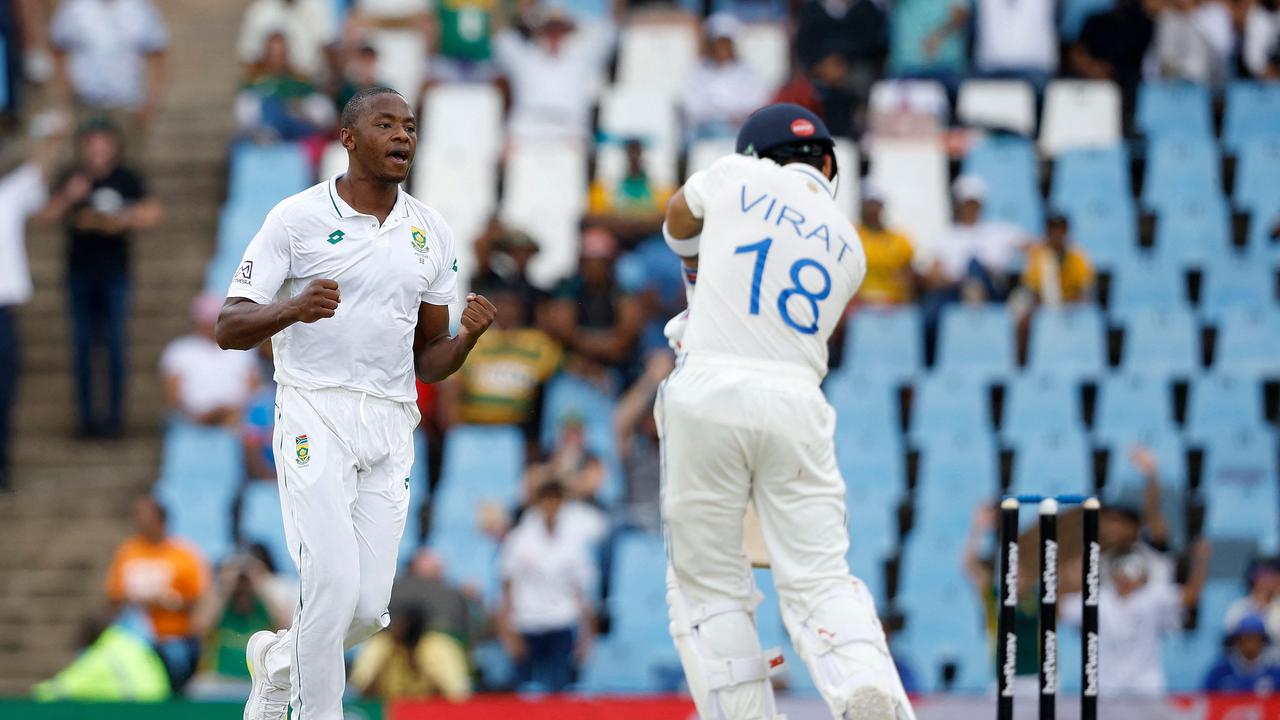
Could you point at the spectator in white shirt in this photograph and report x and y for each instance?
(1134, 614)
(1017, 38)
(309, 26)
(110, 55)
(553, 74)
(1194, 40)
(723, 90)
(1263, 599)
(203, 383)
(1261, 51)
(973, 256)
(546, 621)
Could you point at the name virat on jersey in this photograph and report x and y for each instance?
(771, 211)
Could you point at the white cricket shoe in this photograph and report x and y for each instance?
(266, 701)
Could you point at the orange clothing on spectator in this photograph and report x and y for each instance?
(888, 267)
(1074, 271)
(142, 568)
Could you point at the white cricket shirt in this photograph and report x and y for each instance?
(22, 194)
(383, 273)
(777, 264)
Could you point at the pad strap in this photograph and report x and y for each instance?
(738, 671)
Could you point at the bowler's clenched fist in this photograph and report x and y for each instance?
(477, 316)
(319, 299)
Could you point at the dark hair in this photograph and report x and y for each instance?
(807, 152)
(359, 102)
(413, 623)
(260, 551)
(158, 506)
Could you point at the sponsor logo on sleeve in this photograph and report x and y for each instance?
(244, 276)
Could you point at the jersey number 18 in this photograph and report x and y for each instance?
(797, 287)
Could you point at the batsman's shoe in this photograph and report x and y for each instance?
(873, 703)
(266, 701)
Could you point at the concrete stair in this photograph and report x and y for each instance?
(70, 505)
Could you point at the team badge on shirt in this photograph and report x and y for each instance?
(302, 449)
(419, 239)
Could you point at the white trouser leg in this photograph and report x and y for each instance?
(710, 594)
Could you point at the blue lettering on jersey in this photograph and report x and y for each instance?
(832, 243)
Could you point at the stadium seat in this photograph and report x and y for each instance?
(1079, 114)
(1248, 340)
(702, 153)
(657, 55)
(638, 590)
(200, 515)
(848, 182)
(1133, 402)
(466, 110)
(266, 174)
(957, 473)
(640, 112)
(1163, 342)
(1174, 108)
(1008, 105)
(1191, 230)
(402, 55)
(545, 192)
(261, 521)
(864, 405)
(470, 558)
(1035, 402)
(1257, 182)
(1054, 462)
(1070, 342)
(976, 340)
(1241, 495)
(1146, 282)
(463, 191)
(568, 396)
(1076, 12)
(1106, 226)
(481, 464)
(872, 462)
(1126, 484)
(1251, 112)
(1083, 174)
(201, 471)
(1220, 399)
(1233, 280)
(885, 343)
(1181, 167)
(1011, 170)
(1187, 657)
(913, 176)
(1262, 222)
(949, 401)
(765, 47)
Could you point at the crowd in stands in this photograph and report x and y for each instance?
(529, 556)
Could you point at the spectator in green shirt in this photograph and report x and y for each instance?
(463, 50)
(277, 103)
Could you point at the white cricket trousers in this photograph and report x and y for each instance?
(342, 460)
(735, 429)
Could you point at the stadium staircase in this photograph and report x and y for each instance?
(70, 504)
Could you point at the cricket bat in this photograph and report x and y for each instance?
(753, 538)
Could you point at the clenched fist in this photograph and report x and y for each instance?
(318, 300)
(477, 316)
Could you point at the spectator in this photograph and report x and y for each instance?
(546, 621)
(1017, 39)
(1194, 40)
(1248, 665)
(257, 431)
(23, 193)
(203, 383)
(1112, 46)
(110, 58)
(409, 660)
(1134, 613)
(974, 254)
(308, 25)
(462, 47)
(572, 465)
(113, 664)
(889, 279)
(1263, 599)
(636, 434)
(502, 257)
(1057, 271)
(359, 71)
(165, 577)
(1261, 43)
(502, 380)
(909, 109)
(631, 206)
(102, 202)
(248, 597)
(592, 314)
(552, 74)
(1137, 525)
(279, 104)
(723, 90)
(842, 45)
(423, 587)
(928, 38)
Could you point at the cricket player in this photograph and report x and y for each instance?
(742, 418)
(351, 280)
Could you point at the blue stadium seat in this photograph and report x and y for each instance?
(1076, 12)
(1233, 280)
(1010, 167)
(201, 515)
(1134, 402)
(1257, 184)
(1056, 462)
(1241, 494)
(949, 401)
(1262, 221)
(944, 624)
(1191, 230)
(637, 597)
(976, 340)
(1146, 282)
(1081, 175)
(1106, 226)
(864, 405)
(1251, 112)
(1039, 401)
(261, 522)
(199, 456)
(1248, 340)
(1187, 657)
(1070, 342)
(1181, 167)
(1161, 342)
(873, 465)
(469, 558)
(957, 473)
(268, 173)
(1174, 109)
(885, 344)
(1125, 483)
(769, 612)
(932, 565)
(1220, 399)
(569, 396)
(481, 464)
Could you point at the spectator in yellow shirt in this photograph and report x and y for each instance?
(410, 661)
(889, 279)
(1057, 271)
